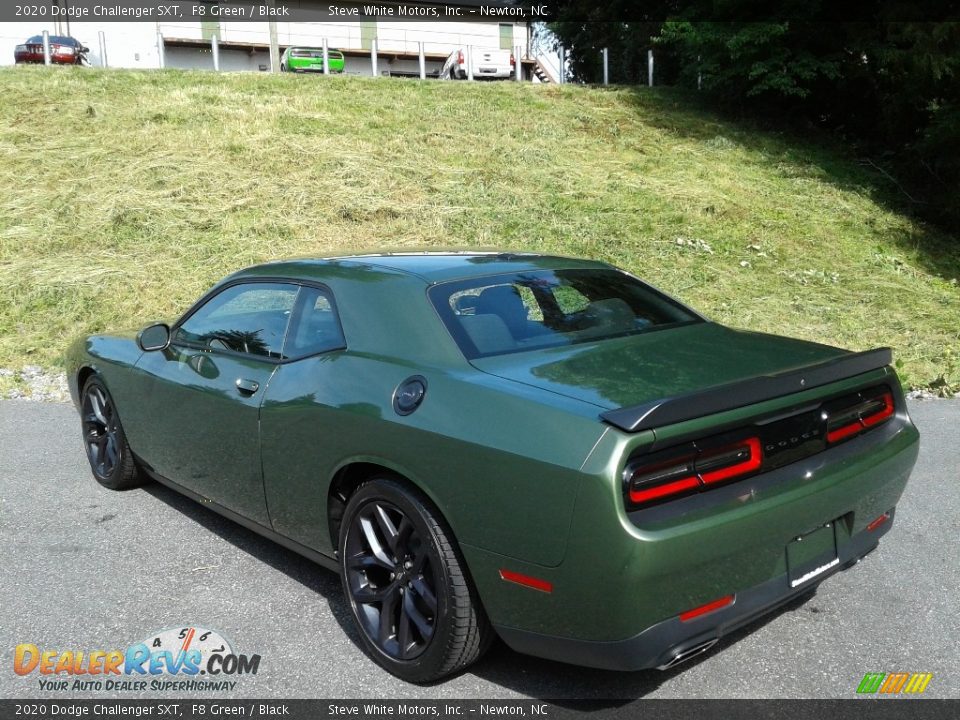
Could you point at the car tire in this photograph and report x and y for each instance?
(407, 586)
(104, 441)
(283, 68)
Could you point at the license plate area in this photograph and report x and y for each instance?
(810, 556)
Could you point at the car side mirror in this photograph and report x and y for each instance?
(85, 49)
(154, 337)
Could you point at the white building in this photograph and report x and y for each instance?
(244, 46)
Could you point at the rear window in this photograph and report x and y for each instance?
(54, 39)
(501, 314)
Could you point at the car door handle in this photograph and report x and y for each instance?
(247, 387)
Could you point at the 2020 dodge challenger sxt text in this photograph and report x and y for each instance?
(542, 448)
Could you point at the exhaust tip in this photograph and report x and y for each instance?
(688, 653)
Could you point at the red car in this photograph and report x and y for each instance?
(64, 50)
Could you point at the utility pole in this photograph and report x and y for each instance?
(274, 46)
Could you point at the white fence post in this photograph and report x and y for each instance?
(103, 49)
(563, 66)
(517, 64)
(606, 67)
(423, 62)
(326, 58)
(46, 47)
(274, 43)
(161, 51)
(469, 62)
(373, 57)
(215, 49)
(650, 68)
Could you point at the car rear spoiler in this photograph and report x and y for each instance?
(730, 396)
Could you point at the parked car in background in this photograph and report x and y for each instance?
(545, 449)
(64, 50)
(308, 59)
(489, 64)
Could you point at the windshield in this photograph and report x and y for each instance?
(502, 314)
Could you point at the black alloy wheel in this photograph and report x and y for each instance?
(392, 580)
(406, 584)
(104, 441)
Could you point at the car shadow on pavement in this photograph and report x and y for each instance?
(530, 676)
(322, 581)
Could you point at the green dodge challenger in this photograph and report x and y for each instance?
(492, 444)
(307, 59)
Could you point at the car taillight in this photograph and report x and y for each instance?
(845, 422)
(690, 471)
(459, 57)
(513, 60)
(767, 445)
(738, 459)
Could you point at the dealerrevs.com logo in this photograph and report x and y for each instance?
(181, 659)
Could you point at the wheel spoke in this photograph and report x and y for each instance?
(388, 612)
(387, 527)
(96, 405)
(111, 450)
(367, 594)
(410, 610)
(404, 533)
(426, 594)
(368, 562)
(373, 542)
(94, 449)
(403, 635)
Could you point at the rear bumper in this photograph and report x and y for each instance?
(671, 641)
(617, 596)
(30, 58)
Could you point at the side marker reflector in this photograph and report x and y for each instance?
(526, 580)
(709, 607)
(878, 522)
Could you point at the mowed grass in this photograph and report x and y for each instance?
(124, 195)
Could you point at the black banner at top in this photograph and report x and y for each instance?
(477, 10)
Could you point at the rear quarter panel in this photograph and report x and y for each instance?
(502, 468)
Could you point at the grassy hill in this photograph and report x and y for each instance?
(123, 195)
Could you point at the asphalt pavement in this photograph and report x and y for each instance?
(85, 568)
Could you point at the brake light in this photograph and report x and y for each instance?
(690, 471)
(853, 420)
(739, 459)
(513, 60)
(459, 57)
(705, 463)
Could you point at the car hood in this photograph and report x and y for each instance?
(642, 368)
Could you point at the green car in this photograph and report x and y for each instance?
(307, 59)
(482, 444)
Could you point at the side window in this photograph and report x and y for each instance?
(249, 318)
(315, 328)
